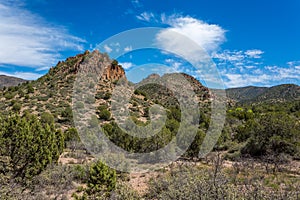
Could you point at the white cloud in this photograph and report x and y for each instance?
(293, 63)
(254, 53)
(174, 66)
(23, 75)
(147, 16)
(237, 60)
(27, 40)
(237, 67)
(107, 49)
(208, 36)
(128, 48)
(127, 65)
(265, 76)
(284, 73)
(231, 56)
(239, 80)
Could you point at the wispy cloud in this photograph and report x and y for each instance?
(28, 40)
(229, 56)
(23, 75)
(147, 16)
(128, 48)
(107, 49)
(238, 61)
(264, 76)
(254, 53)
(237, 56)
(127, 65)
(243, 68)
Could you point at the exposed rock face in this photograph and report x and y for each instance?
(97, 63)
(113, 72)
(91, 62)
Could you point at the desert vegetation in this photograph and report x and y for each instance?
(42, 156)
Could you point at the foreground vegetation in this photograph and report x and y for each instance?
(259, 151)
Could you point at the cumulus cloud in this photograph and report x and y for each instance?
(208, 36)
(189, 38)
(27, 40)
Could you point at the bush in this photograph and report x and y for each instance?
(17, 107)
(29, 145)
(30, 89)
(100, 183)
(47, 118)
(9, 95)
(104, 114)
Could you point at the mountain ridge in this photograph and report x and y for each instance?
(254, 94)
(8, 81)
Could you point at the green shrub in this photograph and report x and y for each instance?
(16, 107)
(104, 114)
(9, 95)
(101, 180)
(47, 118)
(29, 144)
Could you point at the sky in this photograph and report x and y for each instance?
(251, 42)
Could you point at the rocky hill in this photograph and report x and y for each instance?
(53, 92)
(7, 81)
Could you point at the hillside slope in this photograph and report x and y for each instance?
(53, 92)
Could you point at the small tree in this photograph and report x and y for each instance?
(101, 181)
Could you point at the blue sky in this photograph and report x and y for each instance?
(252, 42)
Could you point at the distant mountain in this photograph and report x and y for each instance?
(242, 94)
(7, 81)
(252, 94)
